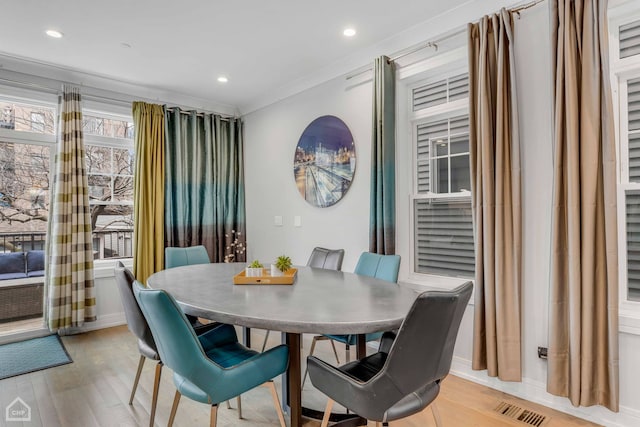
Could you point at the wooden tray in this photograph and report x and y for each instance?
(266, 279)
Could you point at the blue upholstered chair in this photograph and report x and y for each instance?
(210, 368)
(177, 257)
(384, 267)
(137, 324)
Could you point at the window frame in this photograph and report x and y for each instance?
(447, 110)
(622, 70)
(96, 109)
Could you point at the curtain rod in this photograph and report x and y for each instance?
(189, 112)
(50, 89)
(434, 43)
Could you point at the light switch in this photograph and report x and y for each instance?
(297, 221)
(277, 221)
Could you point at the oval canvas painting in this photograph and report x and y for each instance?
(325, 161)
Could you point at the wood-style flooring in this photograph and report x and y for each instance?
(94, 391)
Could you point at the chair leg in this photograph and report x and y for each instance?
(174, 408)
(436, 414)
(327, 414)
(154, 398)
(239, 401)
(214, 415)
(264, 344)
(228, 405)
(135, 382)
(348, 353)
(313, 348)
(276, 402)
(335, 352)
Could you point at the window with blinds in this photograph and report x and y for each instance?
(632, 193)
(443, 223)
(441, 92)
(629, 39)
(626, 71)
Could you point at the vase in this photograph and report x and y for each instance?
(253, 272)
(275, 271)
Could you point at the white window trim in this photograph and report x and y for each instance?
(443, 66)
(621, 13)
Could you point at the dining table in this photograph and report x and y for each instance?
(318, 302)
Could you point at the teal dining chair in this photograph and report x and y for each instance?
(384, 267)
(224, 371)
(177, 257)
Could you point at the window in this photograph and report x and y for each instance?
(26, 145)
(37, 122)
(441, 201)
(110, 161)
(626, 73)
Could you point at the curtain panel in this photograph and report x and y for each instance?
(70, 291)
(495, 181)
(148, 190)
(205, 201)
(382, 213)
(583, 306)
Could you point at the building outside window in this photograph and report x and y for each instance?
(110, 162)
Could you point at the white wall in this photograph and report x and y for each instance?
(272, 134)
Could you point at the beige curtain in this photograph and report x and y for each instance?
(583, 308)
(148, 190)
(495, 182)
(71, 297)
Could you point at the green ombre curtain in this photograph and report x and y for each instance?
(204, 201)
(69, 277)
(148, 190)
(382, 214)
(583, 305)
(496, 193)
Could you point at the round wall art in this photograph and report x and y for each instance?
(325, 161)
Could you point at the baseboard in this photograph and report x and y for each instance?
(106, 321)
(535, 391)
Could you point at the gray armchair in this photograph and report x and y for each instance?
(404, 376)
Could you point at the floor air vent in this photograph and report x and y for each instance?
(517, 413)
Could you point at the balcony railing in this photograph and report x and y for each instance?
(107, 244)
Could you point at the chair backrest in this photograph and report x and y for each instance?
(329, 259)
(423, 348)
(136, 321)
(176, 341)
(383, 267)
(177, 257)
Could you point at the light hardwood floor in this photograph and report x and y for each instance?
(94, 391)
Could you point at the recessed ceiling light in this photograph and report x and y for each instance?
(55, 34)
(223, 79)
(349, 32)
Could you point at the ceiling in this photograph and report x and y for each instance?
(262, 46)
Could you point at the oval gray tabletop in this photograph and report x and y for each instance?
(319, 301)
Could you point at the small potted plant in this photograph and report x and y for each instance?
(254, 269)
(282, 264)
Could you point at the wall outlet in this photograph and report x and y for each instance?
(297, 221)
(277, 221)
(542, 352)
